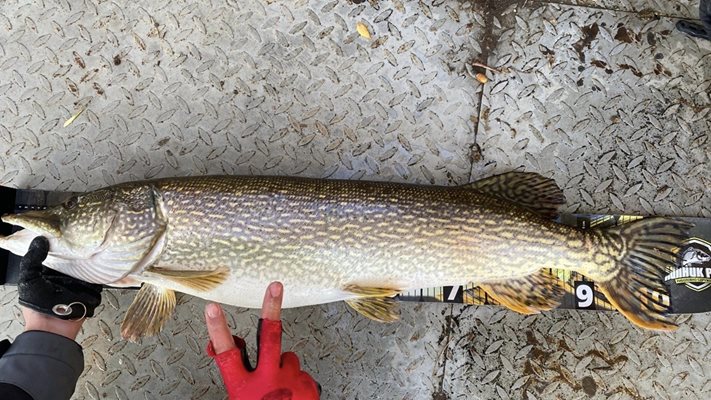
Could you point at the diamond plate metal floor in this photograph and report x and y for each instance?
(618, 104)
(237, 87)
(602, 95)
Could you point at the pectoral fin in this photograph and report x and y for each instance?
(375, 303)
(197, 280)
(148, 313)
(531, 294)
(530, 190)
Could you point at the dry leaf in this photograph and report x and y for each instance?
(363, 30)
(481, 78)
(75, 116)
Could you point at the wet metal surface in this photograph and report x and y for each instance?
(604, 96)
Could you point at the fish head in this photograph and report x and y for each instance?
(99, 237)
(79, 225)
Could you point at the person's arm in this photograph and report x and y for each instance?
(40, 365)
(275, 375)
(12, 392)
(45, 362)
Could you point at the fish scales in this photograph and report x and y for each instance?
(339, 232)
(225, 238)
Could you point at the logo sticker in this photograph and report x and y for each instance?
(694, 268)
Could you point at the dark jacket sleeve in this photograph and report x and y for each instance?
(40, 366)
(12, 392)
(705, 14)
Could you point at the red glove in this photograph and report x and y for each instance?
(277, 376)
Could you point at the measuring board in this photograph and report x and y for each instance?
(689, 283)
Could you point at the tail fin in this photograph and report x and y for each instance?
(649, 249)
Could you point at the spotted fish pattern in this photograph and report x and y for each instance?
(224, 238)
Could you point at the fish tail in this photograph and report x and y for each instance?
(643, 252)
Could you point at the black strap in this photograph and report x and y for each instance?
(4, 345)
(7, 206)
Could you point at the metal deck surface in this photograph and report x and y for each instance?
(602, 95)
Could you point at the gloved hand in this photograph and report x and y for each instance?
(276, 376)
(53, 293)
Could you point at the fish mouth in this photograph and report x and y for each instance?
(41, 222)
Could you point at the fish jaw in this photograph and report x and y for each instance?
(45, 223)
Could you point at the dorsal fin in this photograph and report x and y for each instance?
(527, 189)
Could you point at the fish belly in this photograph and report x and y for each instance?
(250, 294)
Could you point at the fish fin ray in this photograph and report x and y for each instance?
(629, 293)
(198, 280)
(381, 309)
(527, 189)
(531, 294)
(148, 313)
(375, 303)
(469, 296)
(368, 291)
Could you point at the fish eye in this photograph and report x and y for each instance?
(71, 203)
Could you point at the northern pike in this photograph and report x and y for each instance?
(225, 238)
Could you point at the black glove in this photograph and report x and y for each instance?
(51, 292)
